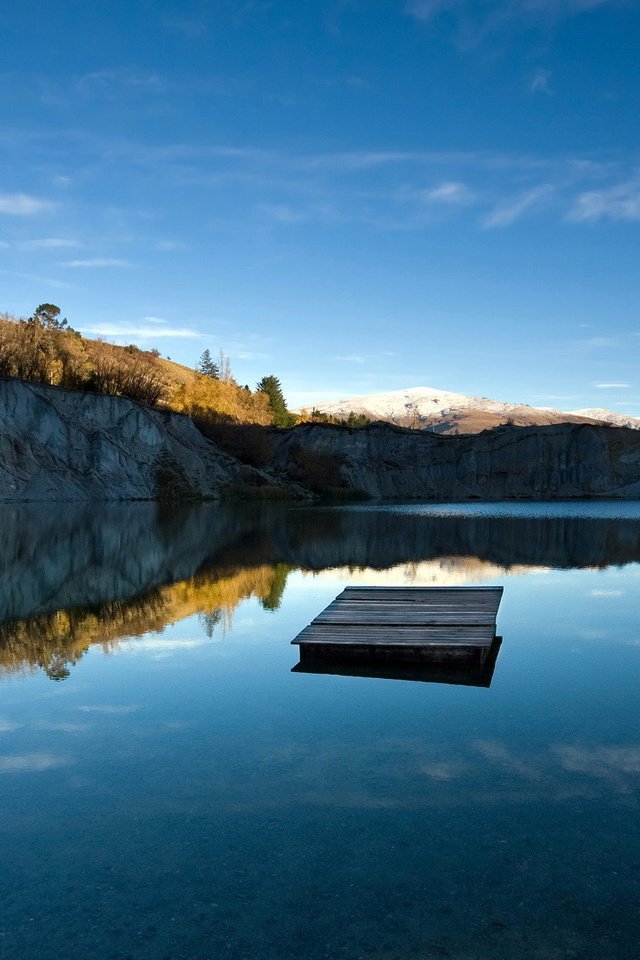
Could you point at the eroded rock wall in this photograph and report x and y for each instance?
(64, 445)
(562, 461)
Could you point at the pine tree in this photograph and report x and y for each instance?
(273, 389)
(208, 367)
(47, 315)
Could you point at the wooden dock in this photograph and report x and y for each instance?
(416, 624)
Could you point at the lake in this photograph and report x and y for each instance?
(171, 789)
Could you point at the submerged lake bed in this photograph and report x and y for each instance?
(170, 788)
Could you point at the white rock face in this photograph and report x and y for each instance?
(445, 412)
(62, 445)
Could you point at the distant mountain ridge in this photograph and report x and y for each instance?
(442, 411)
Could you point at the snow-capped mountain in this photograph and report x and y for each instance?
(447, 412)
(608, 416)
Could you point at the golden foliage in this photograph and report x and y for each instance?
(54, 642)
(206, 399)
(32, 351)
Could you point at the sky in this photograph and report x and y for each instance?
(354, 195)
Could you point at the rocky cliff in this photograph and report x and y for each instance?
(63, 445)
(562, 461)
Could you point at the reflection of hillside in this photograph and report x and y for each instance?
(56, 641)
(93, 574)
(445, 572)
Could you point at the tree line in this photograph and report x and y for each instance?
(44, 349)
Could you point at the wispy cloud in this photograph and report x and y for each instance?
(612, 386)
(162, 644)
(107, 81)
(540, 82)
(189, 27)
(351, 358)
(31, 762)
(621, 202)
(425, 10)
(110, 708)
(23, 205)
(97, 262)
(49, 243)
(152, 332)
(42, 281)
(493, 14)
(169, 246)
(449, 192)
(599, 342)
(155, 320)
(248, 355)
(505, 214)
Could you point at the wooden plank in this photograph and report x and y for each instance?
(384, 637)
(373, 617)
(474, 631)
(363, 588)
(407, 619)
(411, 594)
(485, 603)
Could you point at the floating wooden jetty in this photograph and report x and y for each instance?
(448, 626)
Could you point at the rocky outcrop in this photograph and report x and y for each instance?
(63, 445)
(562, 461)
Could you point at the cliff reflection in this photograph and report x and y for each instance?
(83, 574)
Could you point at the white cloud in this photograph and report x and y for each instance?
(43, 281)
(167, 246)
(104, 80)
(600, 342)
(23, 205)
(49, 243)
(98, 262)
(541, 82)
(496, 12)
(621, 202)
(450, 191)
(612, 386)
(7, 727)
(154, 320)
(31, 762)
(153, 332)
(110, 708)
(351, 358)
(424, 10)
(249, 355)
(187, 26)
(160, 644)
(506, 214)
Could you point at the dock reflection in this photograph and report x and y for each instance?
(82, 574)
(452, 670)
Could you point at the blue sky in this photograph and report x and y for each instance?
(356, 195)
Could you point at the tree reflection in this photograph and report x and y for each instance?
(87, 574)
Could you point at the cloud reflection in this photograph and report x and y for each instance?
(31, 762)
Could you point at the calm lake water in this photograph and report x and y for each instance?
(170, 789)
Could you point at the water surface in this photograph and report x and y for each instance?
(170, 789)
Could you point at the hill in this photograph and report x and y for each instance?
(442, 411)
